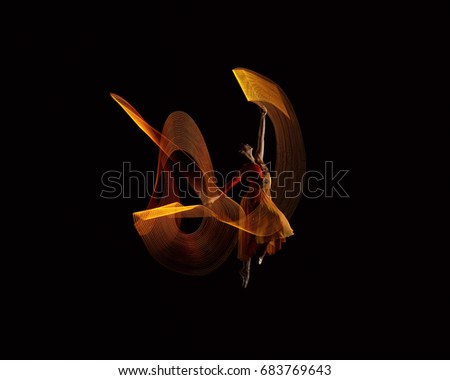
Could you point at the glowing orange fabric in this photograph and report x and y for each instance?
(205, 249)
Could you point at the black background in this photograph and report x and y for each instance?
(359, 279)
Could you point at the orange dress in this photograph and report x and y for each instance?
(269, 225)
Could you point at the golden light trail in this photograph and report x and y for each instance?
(205, 249)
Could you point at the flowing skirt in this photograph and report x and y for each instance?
(272, 226)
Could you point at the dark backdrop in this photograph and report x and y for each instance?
(349, 284)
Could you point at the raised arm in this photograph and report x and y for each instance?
(259, 155)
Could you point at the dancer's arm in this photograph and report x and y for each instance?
(234, 181)
(230, 184)
(259, 156)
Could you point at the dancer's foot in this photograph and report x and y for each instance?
(261, 258)
(245, 274)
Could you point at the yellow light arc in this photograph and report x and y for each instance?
(205, 249)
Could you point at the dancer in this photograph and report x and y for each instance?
(257, 204)
(257, 224)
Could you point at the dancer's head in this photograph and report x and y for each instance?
(247, 151)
